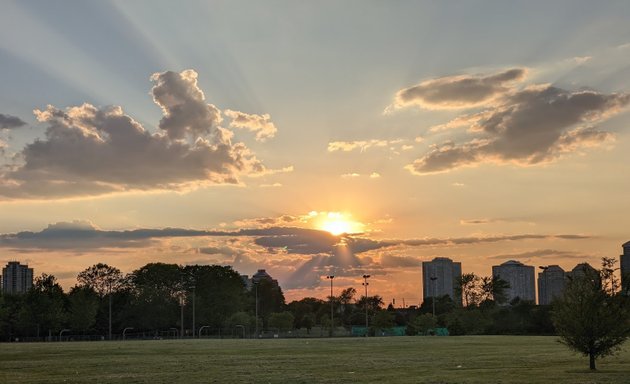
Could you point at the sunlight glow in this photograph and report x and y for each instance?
(338, 223)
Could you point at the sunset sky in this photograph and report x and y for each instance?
(240, 132)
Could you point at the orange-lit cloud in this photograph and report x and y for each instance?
(455, 92)
(260, 124)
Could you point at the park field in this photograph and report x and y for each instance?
(466, 359)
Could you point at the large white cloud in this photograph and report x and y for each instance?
(90, 150)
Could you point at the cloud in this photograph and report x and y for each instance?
(454, 92)
(542, 253)
(9, 122)
(536, 125)
(186, 114)
(260, 124)
(391, 261)
(493, 220)
(350, 175)
(361, 145)
(91, 151)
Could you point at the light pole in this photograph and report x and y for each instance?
(181, 320)
(332, 322)
(434, 280)
(256, 289)
(365, 284)
(193, 319)
(110, 310)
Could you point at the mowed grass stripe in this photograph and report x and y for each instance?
(469, 359)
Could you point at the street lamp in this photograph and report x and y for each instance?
(202, 328)
(125, 331)
(434, 280)
(332, 323)
(110, 309)
(61, 333)
(256, 289)
(365, 284)
(193, 319)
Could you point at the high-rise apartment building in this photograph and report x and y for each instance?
(16, 278)
(625, 268)
(520, 277)
(551, 283)
(440, 277)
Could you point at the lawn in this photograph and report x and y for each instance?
(470, 359)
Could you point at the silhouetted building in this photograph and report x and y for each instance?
(16, 278)
(581, 269)
(624, 264)
(520, 277)
(551, 283)
(263, 275)
(440, 277)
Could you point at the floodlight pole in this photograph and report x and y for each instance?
(110, 309)
(332, 322)
(193, 317)
(256, 289)
(365, 284)
(434, 280)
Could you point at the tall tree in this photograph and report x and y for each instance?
(102, 278)
(83, 307)
(589, 319)
(44, 305)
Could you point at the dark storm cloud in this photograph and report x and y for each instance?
(9, 122)
(91, 151)
(463, 91)
(536, 125)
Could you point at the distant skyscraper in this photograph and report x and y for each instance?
(520, 277)
(16, 278)
(550, 284)
(625, 268)
(445, 274)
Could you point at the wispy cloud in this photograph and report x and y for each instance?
(455, 92)
(543, 253)
(259, 124)
(10, 122)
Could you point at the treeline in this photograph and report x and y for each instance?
(168, 299)
(152, 299)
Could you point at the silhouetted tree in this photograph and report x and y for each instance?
(83, 307)
(589, 319)
(281, 320)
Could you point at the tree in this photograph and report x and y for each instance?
(102, 278)
(421, 324)
(589, 319)
(281, 320)
(44, 305)
(468, 287)
(83, 307)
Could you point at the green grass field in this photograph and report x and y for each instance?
(471, 359)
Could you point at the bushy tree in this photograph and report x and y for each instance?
(589, 318)
(281, 320)
(82, 309)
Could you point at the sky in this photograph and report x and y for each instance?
(255, 134)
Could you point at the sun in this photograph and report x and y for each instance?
(338, 223)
